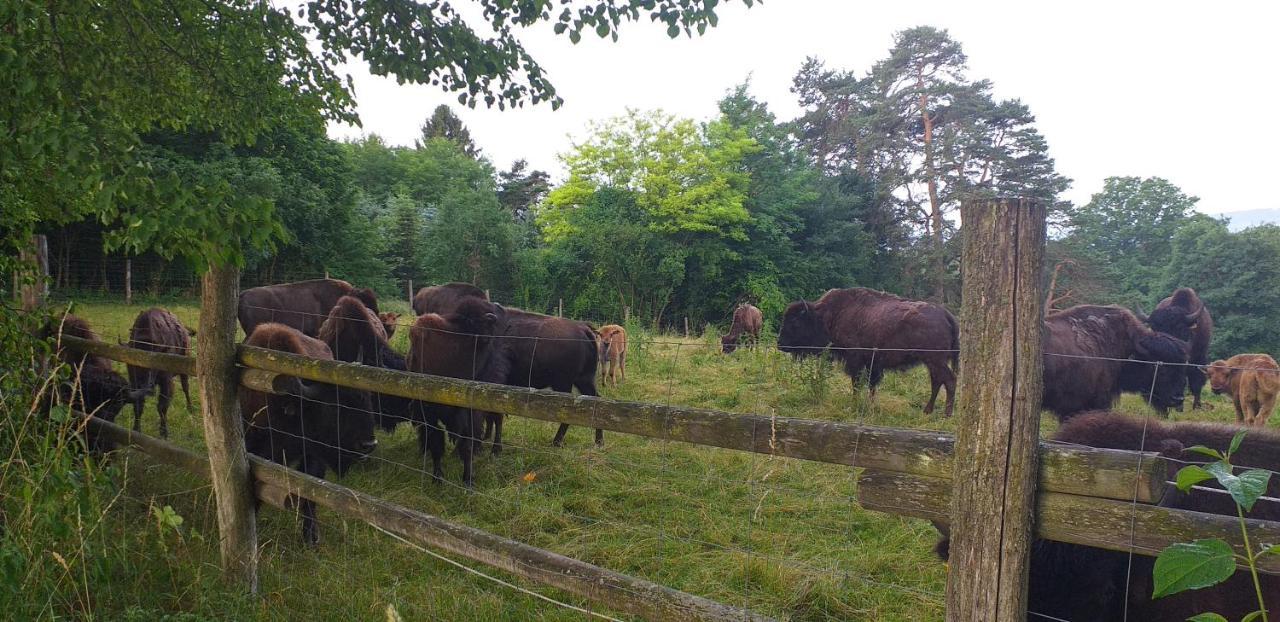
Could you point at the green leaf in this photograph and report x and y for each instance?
(1252, 484)
(575, 36)
(1190, 476)
(1273, 549)
(602, 29)
(1235, 442)
(1191, 566)
(1253, 616)
(1207, 617)
(1208, 451)
(673, 31)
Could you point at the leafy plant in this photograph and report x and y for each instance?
(1205, 563)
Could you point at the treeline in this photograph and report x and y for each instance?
(672, 218)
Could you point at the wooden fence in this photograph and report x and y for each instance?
(1095, 497)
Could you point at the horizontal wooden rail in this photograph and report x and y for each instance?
(1102, 523)
(175, 363)
(278, 486)
(1067, 469)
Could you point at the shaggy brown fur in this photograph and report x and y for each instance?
(1086, 349)
(613, 353)
(158, 330)
(356, 334)
(747, 320)
(444, 298)
(95, 388)
(1252, 381)
(877, 331)
(302, 305)
(1184, 315)
(551, 352)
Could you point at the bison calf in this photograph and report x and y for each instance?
(747, 320)
(158, 330)
(613, 353)
(1252, 381)
(95, 387)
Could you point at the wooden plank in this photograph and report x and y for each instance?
(223, 427)
(265, 381)
(175, 363)
(281, 487)
(1103, 523)
(1069, 469)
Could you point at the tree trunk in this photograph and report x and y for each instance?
(128, 281)
(34, 287)
(1000, 387)
(935, 206)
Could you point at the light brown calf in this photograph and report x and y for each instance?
(613, 353)
(1252, 381)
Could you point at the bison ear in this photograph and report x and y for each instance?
(1192, 318)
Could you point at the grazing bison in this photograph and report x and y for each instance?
(613, 353)
(747, 320)
(549, 352)
(1184, 316)
(315, 427)
(1074, 582)
(1252, 381)
(355, 334)
(1092, 353)
(302, 305)
(443, 298)
(873, 330)
(95, 388)
(456, 345)
(157, 330)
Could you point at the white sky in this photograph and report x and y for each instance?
(1179, 90)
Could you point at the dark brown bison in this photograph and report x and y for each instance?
(456, 345)
(94, 388)
(876, 331)
(1074, 582)
(549, 352)
(747, 320)
(1092, 353)
(1184, 316)
(355, 334)
(302, 305)
(443, 298)
(315, 427)
(158, 330)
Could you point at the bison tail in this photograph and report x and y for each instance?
(955, 343)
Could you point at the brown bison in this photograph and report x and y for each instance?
(302, 305)
(95, 388)
(1184, 316)
(158, 330)
(1092, 353)
(1075, 582)
(456, 345)
(613, 353)
(443, 298)
(876, 331)
(315, 427)
(747, 320)
(356, 334)
(1252, 381)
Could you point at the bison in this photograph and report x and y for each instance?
(747, 320)
(444, 298)
(876, 331)
(95, 388)
(1252, 381)
(158, 330)
(302, 305)
(355, 334)
(456, 345)
(1092, 353)
(1184, 316)
(613, 353)
(314, 427)
(1075, 582)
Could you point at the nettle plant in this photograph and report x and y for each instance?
(1205, 563)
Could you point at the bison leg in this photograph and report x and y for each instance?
(495, 419)
(1195, 382)
(162, 403)
(435, 443)
(186, 390)
(1268, 404)
(1239, 411)
(558, 441)
(310, 527)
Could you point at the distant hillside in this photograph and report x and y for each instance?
(1251, 217)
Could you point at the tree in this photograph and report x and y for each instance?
(1126, 229)
(444, 124)
(520, 189)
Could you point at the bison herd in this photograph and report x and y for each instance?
(1092, 354)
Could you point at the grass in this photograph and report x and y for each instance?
(783, 537)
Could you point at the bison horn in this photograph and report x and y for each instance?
(314, 391)
(1142, 317)
(1193, 316)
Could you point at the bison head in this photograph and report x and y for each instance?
(389, 319)
(1173, 321)
(475, 316)
(803, 331)
(333, 424)
(1158, 370)
(1219, 376)
(728, 344)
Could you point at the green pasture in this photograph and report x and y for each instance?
(783, 537)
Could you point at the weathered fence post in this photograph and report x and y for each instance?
(223, 428)
(32, 292)
(410, 289)
(1000, 386)
(128, 281)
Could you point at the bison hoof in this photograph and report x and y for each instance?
(496, 450)
(928, 410)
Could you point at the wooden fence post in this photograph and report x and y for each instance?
(223, 428)
(32, 293)
(128, 281)
(410, 289)
(1000, 387)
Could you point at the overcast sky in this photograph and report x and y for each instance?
(1173, 89)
